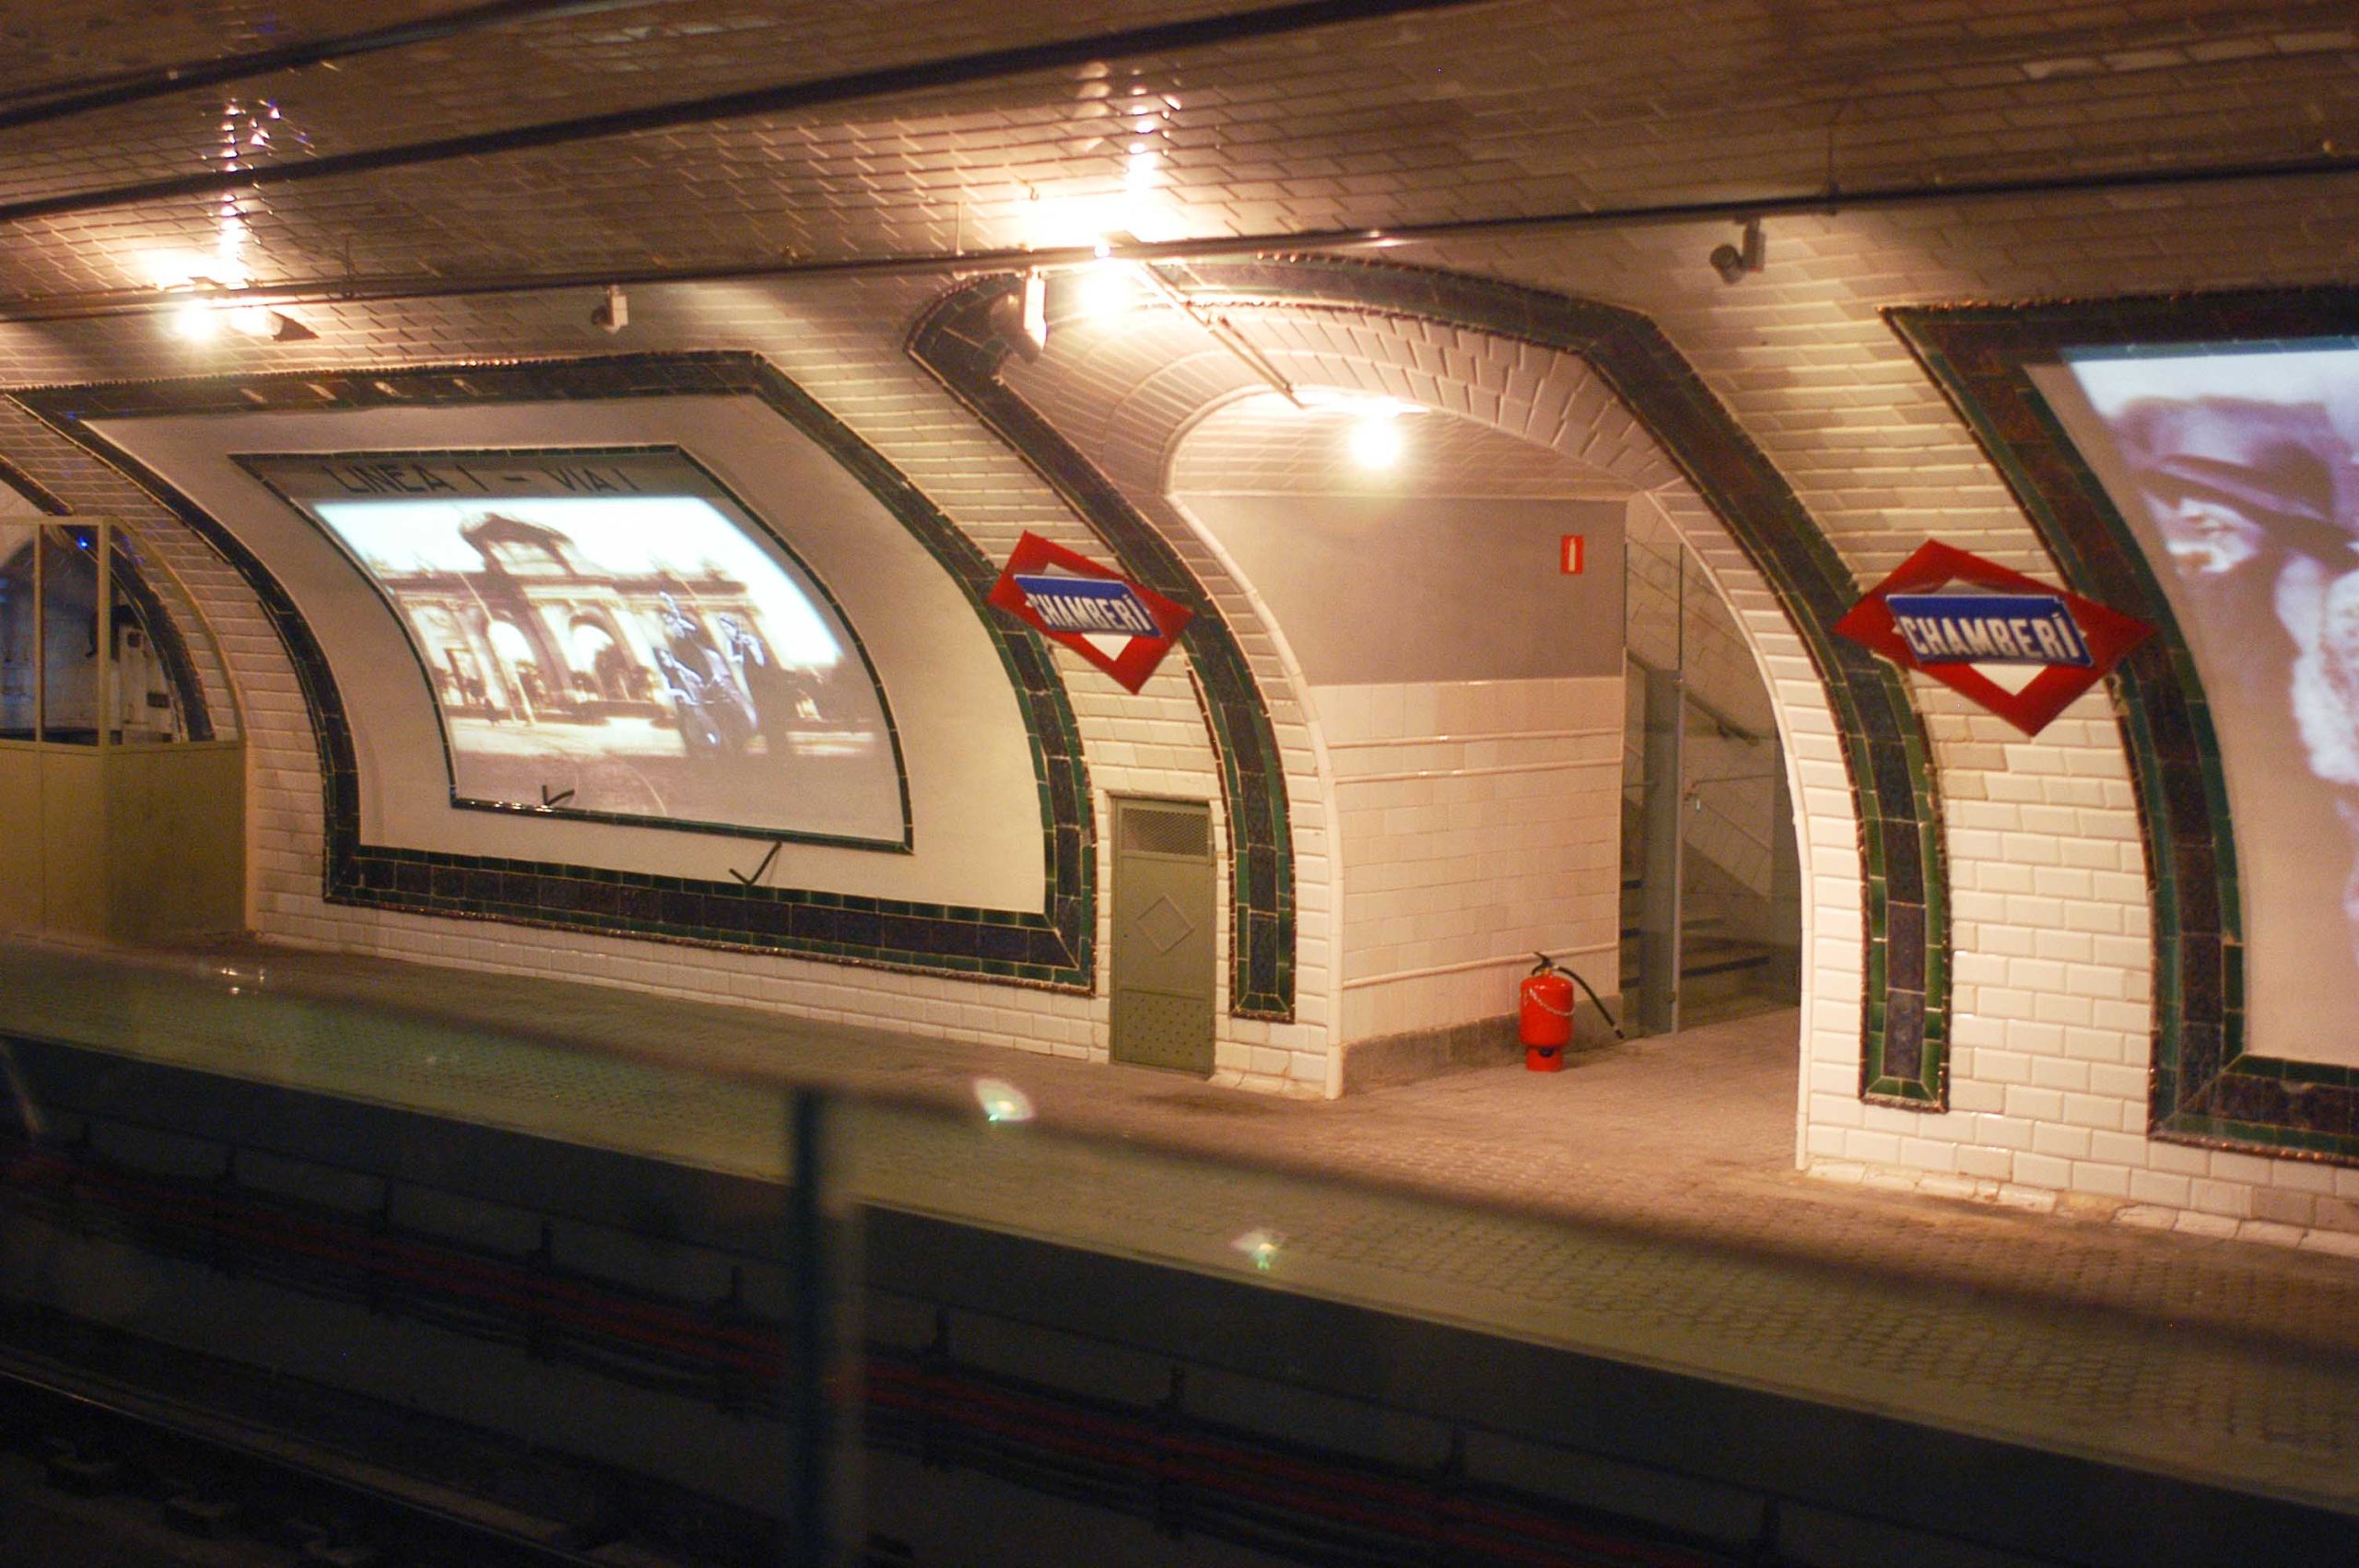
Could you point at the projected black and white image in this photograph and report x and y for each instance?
(2243, 471)
(624, 648)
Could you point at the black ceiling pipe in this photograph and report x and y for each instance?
(98, 304)
(884, 81)
(40, 105)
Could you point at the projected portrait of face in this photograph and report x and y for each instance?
(2234, 470)
(2233, 480)
(2325, 683)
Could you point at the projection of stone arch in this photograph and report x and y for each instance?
(1052, 947)
(1904, 896)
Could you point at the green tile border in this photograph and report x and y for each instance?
(2203, 1087)
(957, 343)
(1055, 949)
(1905, 1014)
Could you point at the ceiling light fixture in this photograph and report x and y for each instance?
(1021, 320)
(196, 320)
(1108, 288)
(274, 326)
(1369, 406)
(1375, 439)
(223, 272)
(202, 321)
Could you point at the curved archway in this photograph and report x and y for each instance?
(1009, 939)
(1607, 386)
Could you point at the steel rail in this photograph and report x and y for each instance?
(261, 1456)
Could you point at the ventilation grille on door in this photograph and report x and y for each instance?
(1165, 1031)
(1150, 832)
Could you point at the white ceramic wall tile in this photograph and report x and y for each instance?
(2051, 923)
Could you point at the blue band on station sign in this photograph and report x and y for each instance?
(1088, 605)
(1988, 628)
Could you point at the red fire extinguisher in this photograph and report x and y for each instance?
(1546, 1016)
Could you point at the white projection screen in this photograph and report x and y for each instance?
(608, 634)
(2234, 467)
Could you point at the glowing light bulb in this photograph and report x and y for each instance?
(1108, 289)
(197, 322)
(177, 269)
(1375, 440)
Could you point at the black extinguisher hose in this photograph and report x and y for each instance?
(1548, 964)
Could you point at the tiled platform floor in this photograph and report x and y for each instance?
(1640, 1205)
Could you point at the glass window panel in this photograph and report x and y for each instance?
(159, 694)
(71, 668)
(19, 631)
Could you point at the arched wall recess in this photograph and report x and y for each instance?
(2006, 369)
(958, 342)
(1047, 945)
(27, 498)
(1905, 1011)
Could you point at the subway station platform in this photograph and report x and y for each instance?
(1594, 1209)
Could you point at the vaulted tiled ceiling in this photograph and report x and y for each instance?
(1264, 445)
(1430, 113)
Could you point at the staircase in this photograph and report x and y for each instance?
(1736, 901)
(1724, 972)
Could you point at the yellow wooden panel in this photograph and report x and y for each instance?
(74, 821)
(20, 840)
(176, 860)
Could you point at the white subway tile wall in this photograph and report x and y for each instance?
(2050, 913)
(1480, 822)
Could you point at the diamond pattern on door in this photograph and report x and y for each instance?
(1163, 926)
(1165, 964)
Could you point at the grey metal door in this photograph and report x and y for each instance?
(1163, 975)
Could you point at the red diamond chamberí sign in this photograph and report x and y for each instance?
(1116, 625)
(1969, 624)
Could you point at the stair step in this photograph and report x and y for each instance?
(1728, 966)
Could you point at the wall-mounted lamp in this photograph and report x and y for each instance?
(1035, 325)
(611, 314)
(1021, 320)
(1732, 262)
